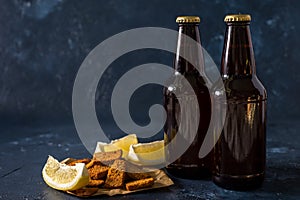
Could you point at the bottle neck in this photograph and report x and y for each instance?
(238, 56)
(188, 48)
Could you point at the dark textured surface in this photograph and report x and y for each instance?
(43, 42)
(22, 159)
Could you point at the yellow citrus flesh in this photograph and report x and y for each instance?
(109, 147)
(122, 143)
(125, 142)
(148, 153)
(63, 177)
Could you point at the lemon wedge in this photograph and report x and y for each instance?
(63, 177)
(122, 143)
(151, 153)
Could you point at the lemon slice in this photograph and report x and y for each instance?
(125, 142)
(151, 153)
(122, 143)
(63, 177)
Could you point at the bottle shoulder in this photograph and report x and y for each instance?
(247, 88)
(188, 84)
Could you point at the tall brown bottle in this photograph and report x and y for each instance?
(179, 108)
(240, 152)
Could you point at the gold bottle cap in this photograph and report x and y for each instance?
(188, 19)
(237, 18)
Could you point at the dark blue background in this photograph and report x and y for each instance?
(43, 43)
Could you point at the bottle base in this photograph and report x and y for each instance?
(190, 173)
(242, 183)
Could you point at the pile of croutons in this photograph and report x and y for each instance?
(108, 170)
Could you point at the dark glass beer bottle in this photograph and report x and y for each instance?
(240, 152)
(180, 114)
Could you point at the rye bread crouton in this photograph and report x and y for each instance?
(136, 172)
(98, 171)
(107, 158)
(137, 184)
(95, 183)
(116, 175)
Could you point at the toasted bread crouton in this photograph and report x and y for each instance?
(108, 158)
(98, 171)
(92, 163)
(137, 176)
(135, 172)
(95, 183)
(137, 184)
(116, 175)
